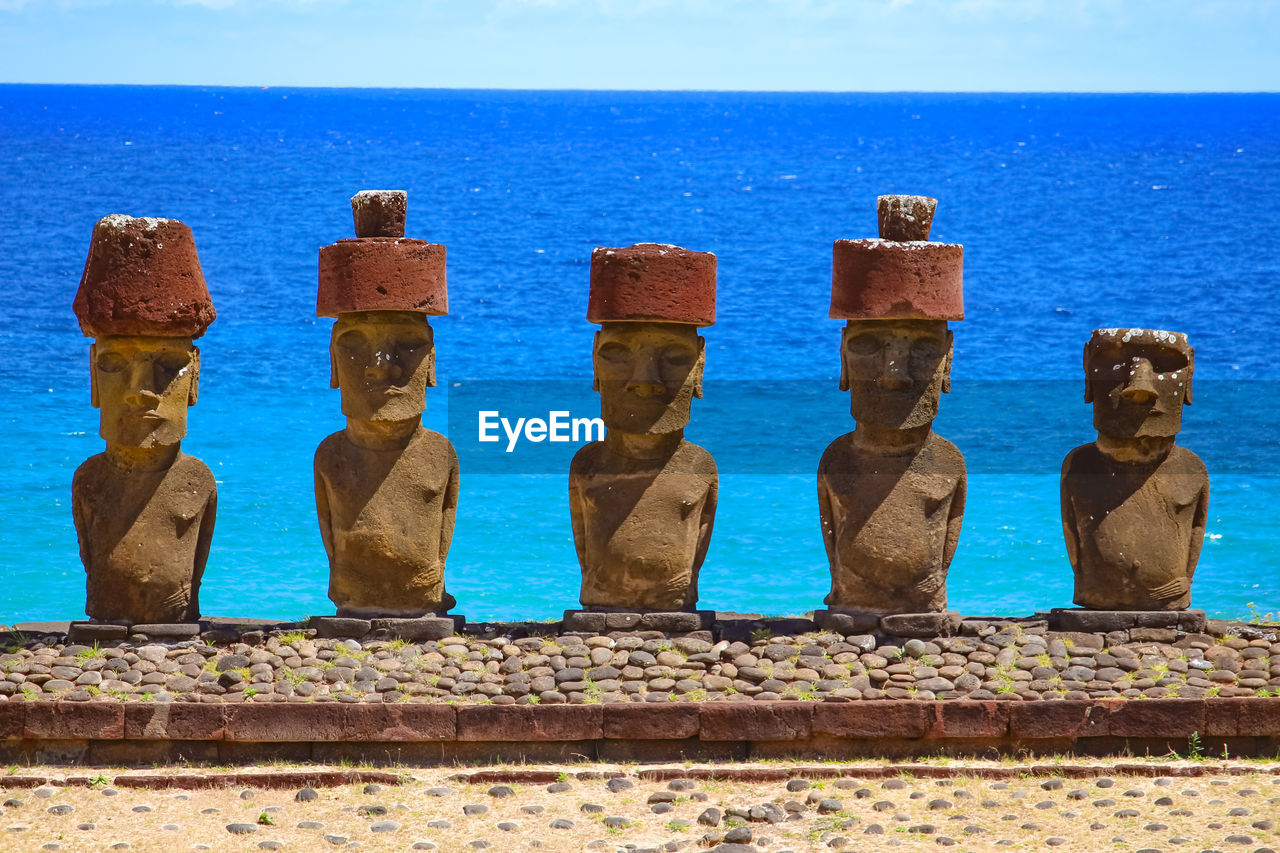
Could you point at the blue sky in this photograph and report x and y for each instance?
(827, 45)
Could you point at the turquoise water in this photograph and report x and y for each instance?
(1076, 212)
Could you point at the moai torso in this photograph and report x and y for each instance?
(386, 518)
(1134, 530)
(386, 488)
(891, 494)
(890, 524)
(1134, 504)
(643, 501)
(642, 527)
(144, 512)
(144, 537)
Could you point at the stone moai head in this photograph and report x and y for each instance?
(1138, 381)
(648, 358)
(143, 299)
(897, 294)
(382, 288)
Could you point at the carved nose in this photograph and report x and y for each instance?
(893, 373)
(142, 398)
(645, 379)
(1140, 387)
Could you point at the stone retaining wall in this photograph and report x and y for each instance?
(138, 733)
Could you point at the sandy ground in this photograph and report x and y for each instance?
(1237, 807)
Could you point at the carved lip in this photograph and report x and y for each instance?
(386, 389)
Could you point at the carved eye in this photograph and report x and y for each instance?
(678, 357)
(930, 349)
(862, 345)
(614, 351)
(112, 362)
(173, 361)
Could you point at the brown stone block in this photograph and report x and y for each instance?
(652, 281)
(687, 749)
(74, 721)
(286, 722)
(1246, 717)
(1156, 718)
(893, 719)
(961, 719)
(884, 280)
(530, 722)
(394, 723)
(142, 277)
(647, 721)
(174, 721)
(382, 274)
(1066, 719)
(755, 721)
(13, 716)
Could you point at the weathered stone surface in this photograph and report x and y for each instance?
(872, 720)
(534, 723)
(174, 721)
(379, 213)
(891, 493)
(883, 280)
(142, 277)
(93, 632)
(167, 629)
(757, 721)
(846, 621)
(921, 625)
(650, 722)
(144, 512)
(1134, 504)
(417, 630)
(73, 721)
(385, 466)
(1105, 621)
(652, 282)
(905, 218)
(642, 502)
(330, 627)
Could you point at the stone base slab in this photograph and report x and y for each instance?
(910, 625)
(411, 629)
(598, 622)
(1105, 621)
(434, 733)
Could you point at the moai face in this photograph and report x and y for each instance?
(143, 385)
(895, 370)
(383, 362)
(1137, 380)
(647, 374)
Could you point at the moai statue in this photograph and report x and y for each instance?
(386, 487)
(1134, 504)
(643, 500)
(144, 511)
(891, 493)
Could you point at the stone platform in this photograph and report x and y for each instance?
(746, 686)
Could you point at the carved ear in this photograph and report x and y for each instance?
(1186, 394)
(595, 377)
(93, 375)
(946, 362)
(844, 369)
(333, 368)
(431, 367)
(699, 366)
(194, 390)
(1088, 380)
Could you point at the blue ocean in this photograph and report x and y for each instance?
(1076, 212)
